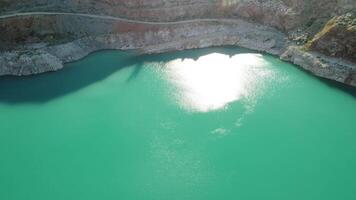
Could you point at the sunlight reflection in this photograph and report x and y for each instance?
(214, 80)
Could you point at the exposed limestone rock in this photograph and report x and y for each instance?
(155, 39)
(27, 63)
(321, 65)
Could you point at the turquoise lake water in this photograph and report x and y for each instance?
(212, 124)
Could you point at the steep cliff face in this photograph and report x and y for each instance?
(266, 25)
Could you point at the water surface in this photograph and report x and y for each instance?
(216, 123)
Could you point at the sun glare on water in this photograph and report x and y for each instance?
(215, 80)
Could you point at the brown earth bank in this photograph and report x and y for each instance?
(40, 35)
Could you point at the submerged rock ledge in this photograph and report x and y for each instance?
(39, 41)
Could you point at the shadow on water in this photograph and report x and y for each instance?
(97, 67)
(77, 75)
(339, 86)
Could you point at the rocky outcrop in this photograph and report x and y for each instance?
(337, 38)
(41, 35)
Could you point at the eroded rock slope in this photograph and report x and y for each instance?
(40, 35)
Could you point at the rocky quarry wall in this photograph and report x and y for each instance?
(40, 35)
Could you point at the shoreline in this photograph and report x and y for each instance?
(160, 37)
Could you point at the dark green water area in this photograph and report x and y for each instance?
(209, 124)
